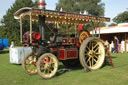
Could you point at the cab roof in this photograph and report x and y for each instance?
(57, 16)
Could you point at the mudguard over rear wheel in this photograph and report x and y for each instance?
(92, 53)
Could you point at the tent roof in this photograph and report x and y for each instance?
(120, 28)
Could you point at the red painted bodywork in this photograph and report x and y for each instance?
(68, 41)
(72, 40)
(71, 53)
(61, 55)
(68, 48)
(68, 53)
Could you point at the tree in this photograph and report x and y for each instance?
(112, 24)
(10, 26)
(92, 7)
(121, 18)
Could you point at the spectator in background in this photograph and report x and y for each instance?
(122, 46)
(106, 43)
(115, 44)
(12, 44)
(111, 47)
(118, 47)
(126, 45)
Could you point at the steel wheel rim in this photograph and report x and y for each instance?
(94, 54)
(30, 64)
(48, 66)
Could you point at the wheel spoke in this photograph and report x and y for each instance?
(96, 49)
(88, 59)
(31, 67)
(48, 70)
(47, 59)
(50, 61)
(96, 56)
(44, 71)
(92, 60)
(34, 59)
(42, 68)
(95, 46)
(90, 63)
(92, 46)
(95, 60)
(88, 49)
(98, 53)
(27, 62)
(86, 54)
(28, 67)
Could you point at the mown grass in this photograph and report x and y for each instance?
(11, 74)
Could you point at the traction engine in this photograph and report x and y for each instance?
(80, 48)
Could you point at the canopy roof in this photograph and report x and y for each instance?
(120, 28)
(57, 16)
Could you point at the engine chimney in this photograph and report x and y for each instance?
(42, 26)
(41, 4)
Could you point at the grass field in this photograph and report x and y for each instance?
(11, 74)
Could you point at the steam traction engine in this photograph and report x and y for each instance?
(71, 50)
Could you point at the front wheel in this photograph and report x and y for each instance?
(92, 53)
(47, 65)
(29, 64)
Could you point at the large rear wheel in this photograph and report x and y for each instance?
(92, 53)
(47, 65)
(29, 64)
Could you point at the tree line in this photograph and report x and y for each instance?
(10, 27)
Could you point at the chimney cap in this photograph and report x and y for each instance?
(41, 4)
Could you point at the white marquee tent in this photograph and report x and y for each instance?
(108, 33)
(120, 28)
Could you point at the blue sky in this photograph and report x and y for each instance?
(112, 7)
